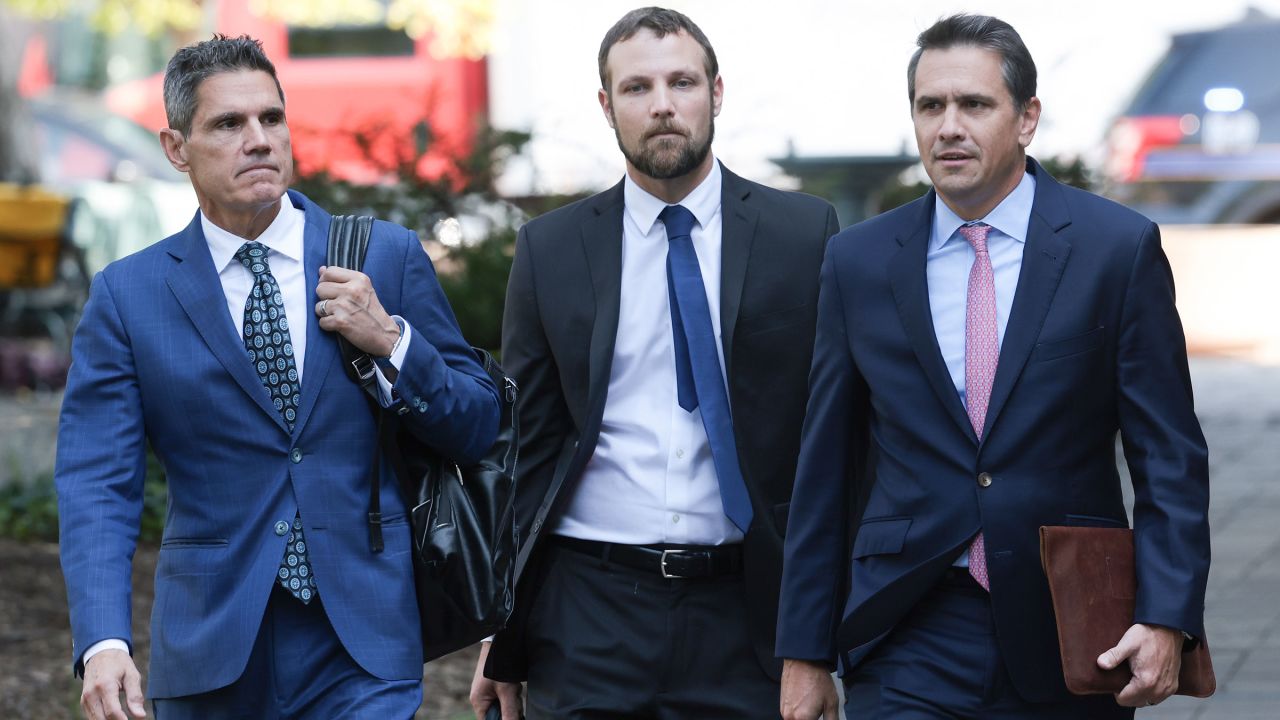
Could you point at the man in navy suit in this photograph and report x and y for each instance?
(651, 527)
(977, 352)
(217, 347)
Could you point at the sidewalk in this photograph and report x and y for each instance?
(1239, 408)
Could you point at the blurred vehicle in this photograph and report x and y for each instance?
(128, 195)
(352, 91)
(1200, 141)
(112, 192)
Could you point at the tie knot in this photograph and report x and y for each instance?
(253, 255)
(678, 219)
(976, 234)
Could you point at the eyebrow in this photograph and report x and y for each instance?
(682, 72)
(967, 97)
(236, 115)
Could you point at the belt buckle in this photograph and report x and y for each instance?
(663, 564)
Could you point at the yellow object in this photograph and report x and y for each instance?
(31, 224)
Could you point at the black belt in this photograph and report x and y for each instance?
(671, 561)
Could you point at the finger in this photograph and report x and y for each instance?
(111, 706)
(509, 698)
(338, 274)
(91, 705)
(133, 694)
(1118, 654)
(1132, 695)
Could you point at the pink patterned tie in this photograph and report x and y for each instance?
(981, 352)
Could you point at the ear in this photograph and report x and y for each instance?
(717, 95)
(1029, 122)
(603, 96)
(175, 148)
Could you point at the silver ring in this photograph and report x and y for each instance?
(324, 308)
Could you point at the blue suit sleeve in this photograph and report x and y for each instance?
(452, 402)
(1164, 447)
(99, 475)
(816, 552)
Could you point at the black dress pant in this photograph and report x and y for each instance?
(608, 641)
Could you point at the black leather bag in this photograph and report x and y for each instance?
(462, 517)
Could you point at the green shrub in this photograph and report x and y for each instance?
(29, 508)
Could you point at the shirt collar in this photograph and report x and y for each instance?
(281, 236)
(703, 201)
(1011, 217)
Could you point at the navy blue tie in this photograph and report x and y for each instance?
(266, 339)
(699, 382)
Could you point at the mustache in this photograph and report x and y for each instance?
(666, 127)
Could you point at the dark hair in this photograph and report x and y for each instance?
(662, 22)
(193, 64)
(988, 33)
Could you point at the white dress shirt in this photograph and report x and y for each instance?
(283, 240)
(652, 478)
(947, 267)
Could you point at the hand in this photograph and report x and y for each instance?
(349, 306)
(808, 691)
(106, 675)
(485, 692)
(1155, 657)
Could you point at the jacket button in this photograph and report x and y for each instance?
(404, 410)
(296, 456)
(984, 479)
(282, 527)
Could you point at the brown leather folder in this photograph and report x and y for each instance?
(1092, 581)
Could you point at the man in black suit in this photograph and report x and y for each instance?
(650, 522)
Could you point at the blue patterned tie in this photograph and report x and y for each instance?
(699, 382)
(266, 338)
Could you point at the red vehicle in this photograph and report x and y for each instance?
(346, 86)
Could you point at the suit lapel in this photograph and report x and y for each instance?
(321, 346)
(737, 234)
(1043, 260)
(911, 293)
(602, 245)
(194, 282)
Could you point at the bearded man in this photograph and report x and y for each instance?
(650, 518)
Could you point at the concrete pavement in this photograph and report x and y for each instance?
(1239, 408)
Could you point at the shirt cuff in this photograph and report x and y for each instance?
(385, 397)
(108, 644)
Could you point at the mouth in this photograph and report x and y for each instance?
(665, 134)
(952, 157)
(258, 168)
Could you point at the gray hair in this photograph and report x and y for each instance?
(662, 22)
(988, 33)
(193, 64)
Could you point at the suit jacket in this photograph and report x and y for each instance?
(1093, 347)
(157, 360)
(559, 329)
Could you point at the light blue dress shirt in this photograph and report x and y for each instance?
(947, 266)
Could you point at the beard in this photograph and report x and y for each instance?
(668, 158)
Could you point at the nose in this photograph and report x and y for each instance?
(951, 127)
(255, 138)
(662, 105)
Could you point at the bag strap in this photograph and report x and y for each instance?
(348, 244)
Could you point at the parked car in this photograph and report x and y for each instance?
(128, 195)
(117, 194)
(1200, 141)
